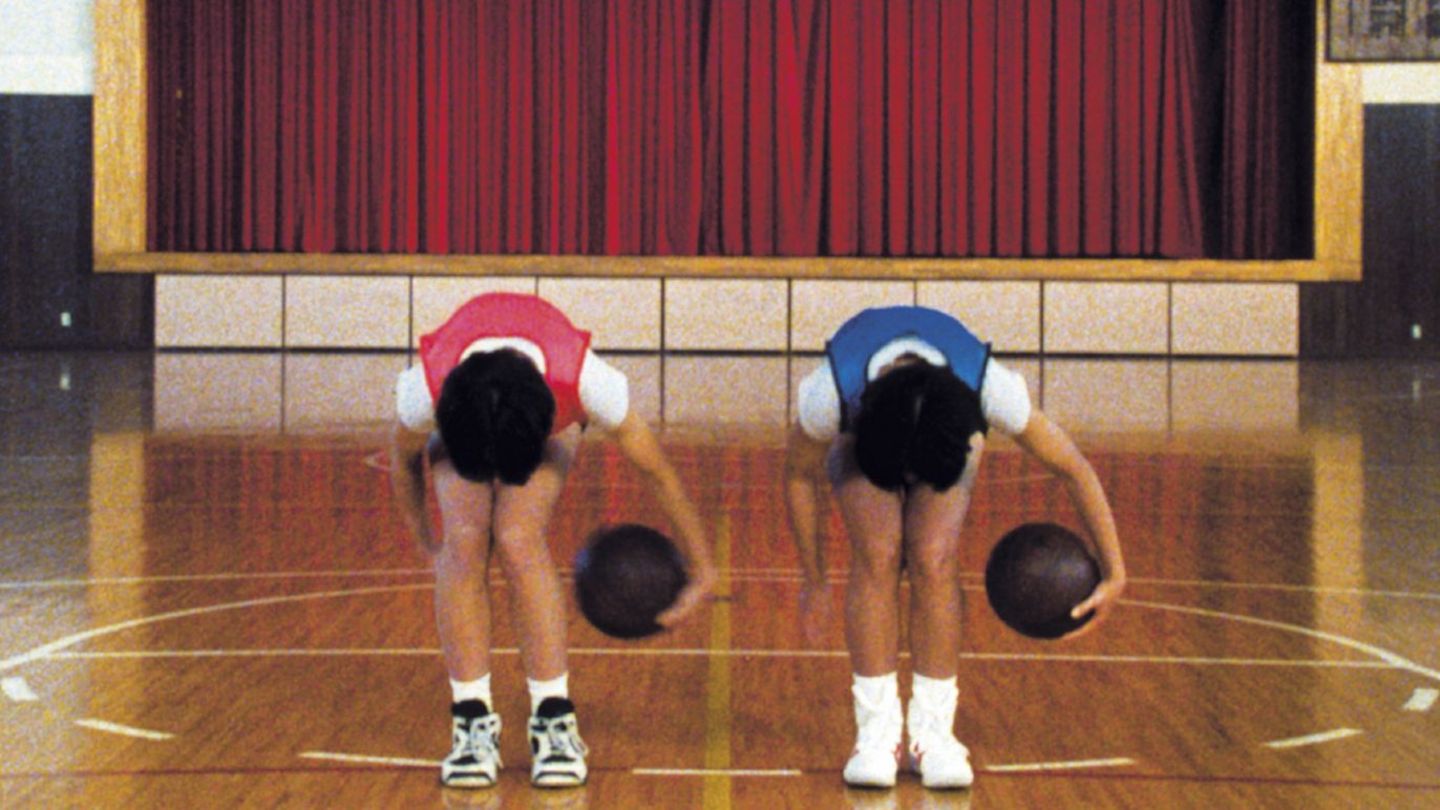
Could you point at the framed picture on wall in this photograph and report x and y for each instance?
(1383, 30)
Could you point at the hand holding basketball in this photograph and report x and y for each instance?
(696, 592)
(1098, 605)
(1042, 581)
(627, 577)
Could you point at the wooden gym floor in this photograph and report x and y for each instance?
(207, 601)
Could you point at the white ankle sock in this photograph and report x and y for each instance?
(933, 700)
(938, 692)
(877, 690)
(478, 689)
(539, 690)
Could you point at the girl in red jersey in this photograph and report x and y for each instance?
(496, 407)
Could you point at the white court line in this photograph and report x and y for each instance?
(1114, 762)
(406, 762)
(235, 577)
(1314, 739)
(777, 575)
(62, 644)
(71, 640)
(126, 731)
(367, 760)
(395, 652)
(18, 690)
(702, 652)
(1323, 590)
(1422, 700)
(714, 772)
(1369, 649)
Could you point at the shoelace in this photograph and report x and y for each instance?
(484, 733)
(562, 738)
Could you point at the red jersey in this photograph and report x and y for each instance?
(513, 315)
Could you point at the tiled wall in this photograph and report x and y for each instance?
(319, 391)
(735, 315)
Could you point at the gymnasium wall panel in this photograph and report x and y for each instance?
(1107, 318)
(1257, 396)
(1006, 313)
(323, 391)
(744, 389)
(1235, 319)
(620, 313)
(818, 308)
(218, 312)
(727, 314)
(1106, 395)
(334, 312)
(434, 298)
(219, 391)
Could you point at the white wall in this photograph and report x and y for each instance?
(47, 47)
(1401, 83)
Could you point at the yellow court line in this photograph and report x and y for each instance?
(716, 792)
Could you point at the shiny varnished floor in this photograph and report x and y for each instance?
(206, 600)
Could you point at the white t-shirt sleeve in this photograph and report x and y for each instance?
(818, 404)
(604, 392)
(412, 400)
(1004, 399)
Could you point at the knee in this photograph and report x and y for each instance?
(932, 565)
(877, 560)
(463, 555)
(521, 550)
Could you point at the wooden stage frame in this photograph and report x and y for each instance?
(120, 241)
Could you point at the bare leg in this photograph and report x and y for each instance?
(522, 516)
(872, 598)
(932, 535)
(462, 597)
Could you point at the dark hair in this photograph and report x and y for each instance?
(495, 413)
(915, 423)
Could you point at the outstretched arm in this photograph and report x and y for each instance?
(639, 445)
(804, 493)
(1050, 444)
(407, 483)
(804, 496)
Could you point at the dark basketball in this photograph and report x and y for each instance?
(625, 576)
(1036, 575)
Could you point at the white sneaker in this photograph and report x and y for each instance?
(941, 760)
(876, 758)
(474, 760)
(559, 753)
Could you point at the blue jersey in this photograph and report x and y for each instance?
(859, 338)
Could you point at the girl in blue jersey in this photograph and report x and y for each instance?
(895, 419)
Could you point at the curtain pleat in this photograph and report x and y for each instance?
(993, 128)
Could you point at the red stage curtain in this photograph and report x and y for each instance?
(1042, 128)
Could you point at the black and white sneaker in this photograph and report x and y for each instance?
(474, 760)
(559, 753)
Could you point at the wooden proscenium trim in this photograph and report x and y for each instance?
(121, 102)
(120, 125)
(727, 267)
